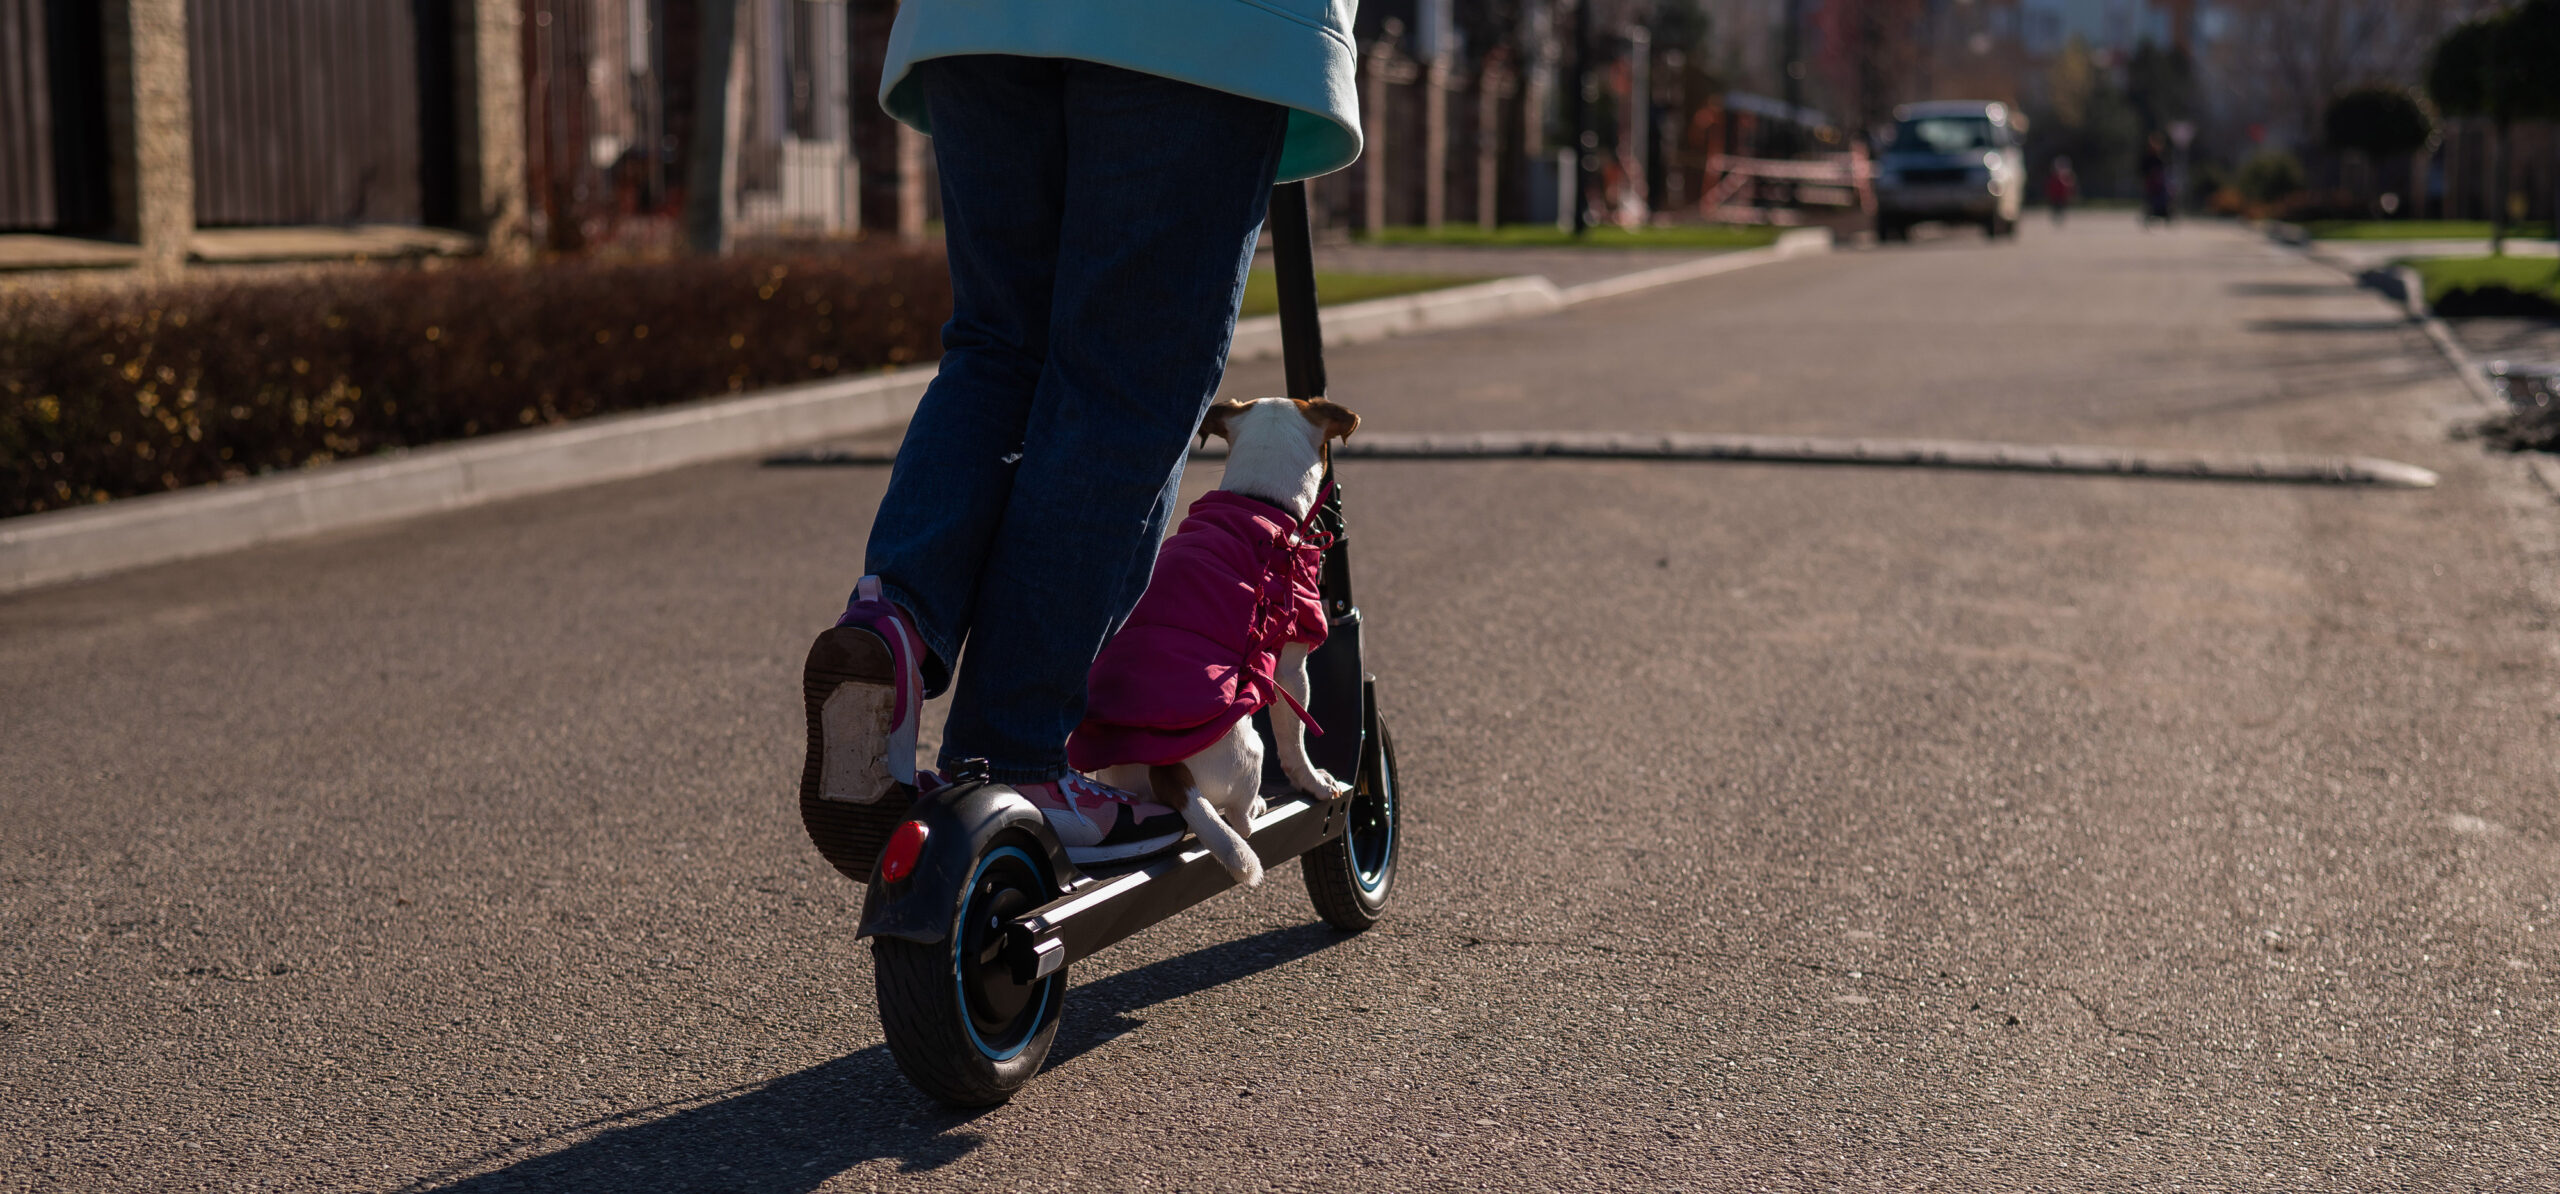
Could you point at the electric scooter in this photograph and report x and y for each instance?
(973, 911)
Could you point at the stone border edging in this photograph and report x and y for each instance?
(2413, 302)
(65, 545)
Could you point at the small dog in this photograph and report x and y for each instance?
(1223, 631)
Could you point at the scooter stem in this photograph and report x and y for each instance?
(1293, 261)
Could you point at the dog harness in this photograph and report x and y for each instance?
(1235, 584)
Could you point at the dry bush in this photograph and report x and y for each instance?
(108, 394)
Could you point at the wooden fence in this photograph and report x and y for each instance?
(311, 112)
(52, 116)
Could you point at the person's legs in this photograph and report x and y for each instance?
(864, 685)
(1000, 142)
(1166, 186)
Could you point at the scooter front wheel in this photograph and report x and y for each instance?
(1350, 877)
(959, 1025)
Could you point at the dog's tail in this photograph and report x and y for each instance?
(1174, 787)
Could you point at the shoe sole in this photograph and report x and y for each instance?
(849, 802)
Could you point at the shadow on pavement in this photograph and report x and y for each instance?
(2325, 325)
(797, 1131)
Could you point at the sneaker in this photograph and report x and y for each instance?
(1100, 823)
(864, 692)
(874, 661)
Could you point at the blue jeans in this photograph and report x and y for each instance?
(1099, 223)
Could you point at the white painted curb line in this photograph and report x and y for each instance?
(64, 545)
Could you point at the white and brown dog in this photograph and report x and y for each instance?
(1223, 631)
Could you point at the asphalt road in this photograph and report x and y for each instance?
(1770, 827)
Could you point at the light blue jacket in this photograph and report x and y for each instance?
(1295, 53)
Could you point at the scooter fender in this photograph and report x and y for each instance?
(961, 822)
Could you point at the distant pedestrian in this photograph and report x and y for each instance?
(2155, 180)
(2061, 186)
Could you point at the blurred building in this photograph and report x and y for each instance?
(143, 137)
(147, 134)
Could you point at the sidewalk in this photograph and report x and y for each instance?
(2371, 254)
(1564, 267)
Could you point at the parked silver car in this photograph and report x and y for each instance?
(1952, 160)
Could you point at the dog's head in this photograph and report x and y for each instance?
(1277, 447)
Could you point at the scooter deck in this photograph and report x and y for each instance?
(1112, 903)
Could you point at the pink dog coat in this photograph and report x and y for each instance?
(1232, 587)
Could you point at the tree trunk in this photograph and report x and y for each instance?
(2456, 188)
(1373, 112)
(1435, 142)
(2498, 168)
(711, 186)
(1489, 87)
(912, 148)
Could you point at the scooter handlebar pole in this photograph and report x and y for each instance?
(1293, 261)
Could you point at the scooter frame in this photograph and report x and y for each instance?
(1096, 909)
(972, 940)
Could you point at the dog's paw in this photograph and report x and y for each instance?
(1322, 783)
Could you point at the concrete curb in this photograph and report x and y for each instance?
(1258, 338)
(1795, 242)
(49, 548)
(2413, 302)
(2544, 466)
(1977, 455)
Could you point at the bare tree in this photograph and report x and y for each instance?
(2300, 54)
(1872, 52)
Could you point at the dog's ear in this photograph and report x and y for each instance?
(1336, 419)
(1220, 414)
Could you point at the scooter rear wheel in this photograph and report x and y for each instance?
(957, 1023)
(1350, 878)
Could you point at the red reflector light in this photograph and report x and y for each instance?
(899, 859)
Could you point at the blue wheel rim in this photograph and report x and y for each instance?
(1371, 833)
(1023, 1027)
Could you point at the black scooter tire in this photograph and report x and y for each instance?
(925, 997)
(1350, 878)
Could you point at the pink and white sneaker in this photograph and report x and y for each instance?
(863, 687)
(1100, 823)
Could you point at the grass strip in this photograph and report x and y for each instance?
(1262, 288)
(1548, 236)
(2462, 286)
(2419, 230)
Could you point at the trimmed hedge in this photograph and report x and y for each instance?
(2462, 287)
(108, 394)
